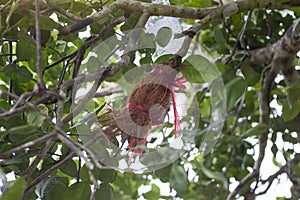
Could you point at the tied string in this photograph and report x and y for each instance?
(174, 83)
(134, 140)
(134, 105)
(137, 151)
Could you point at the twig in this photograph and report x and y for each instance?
(65, 13)
(72, 55)
(92, 40)
(26, 145)
(5, 5)
(108, 91)
(22, 99)
(26, 107)
(48, 172)
(38, 158)
(38, 46)
(240, 37)
(282, 169)
(76, 150)
(10, 86)
(84, 101)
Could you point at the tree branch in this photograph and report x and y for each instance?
(8, 153)
(108, 91)
(282, 169)
(38, 158)
(61, 11)
(213, 13)
(284, 53)
(39, 71)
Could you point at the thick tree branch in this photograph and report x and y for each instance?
(213, 13)
(284, 53)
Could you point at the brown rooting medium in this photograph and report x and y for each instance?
(146, 105)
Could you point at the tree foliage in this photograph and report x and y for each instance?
(254, 44)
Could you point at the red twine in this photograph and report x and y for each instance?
(133, 105)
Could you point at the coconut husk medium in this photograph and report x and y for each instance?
(147, 105)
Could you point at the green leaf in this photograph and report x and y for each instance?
(290, 112)
(80, 190)
(24, 75)
(293, 93)
(84, 174)
(35, 118)
(15, 191)
(178, 179)
(163, 58)
(23, 129)
(25, 47)
(53, 188)
(164, 173)
(234, 90)
(69, 168)
(107, 175)
(250, 75)
(192, 74)
(4, 105)
(153, 194)
(163, 36)
(105, 192)
(215, 175)
(256, 130)
(146, 41)
(220, 39)
(47, 23)
(198, 69)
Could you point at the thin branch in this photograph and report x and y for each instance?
(264, 118)
(45, 174)
(72, 55)
(38, 158)
(5, 5)
(239, 39)
(22, 99)
(108, 91)
(61, 11)
(282, 169)
(66, 159)
(38, 46)
(27, 106)
(92, 40)
(76, 150)
(8, 153)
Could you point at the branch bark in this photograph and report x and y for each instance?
(39, 71)
(212, 13)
